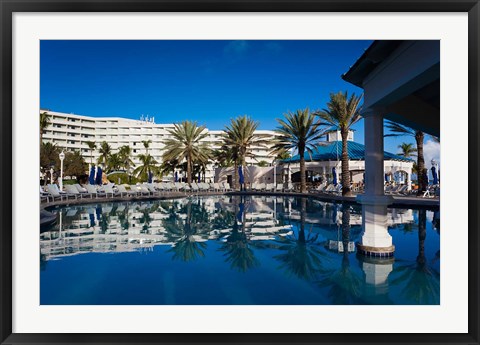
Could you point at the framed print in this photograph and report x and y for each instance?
(244, 172)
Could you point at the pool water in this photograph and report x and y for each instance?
(233, 250)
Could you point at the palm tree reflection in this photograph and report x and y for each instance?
(237, 248)
(187, 234)
(302, 256)
(343, 283)
(421, 281)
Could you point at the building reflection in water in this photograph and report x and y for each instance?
(182, 224)
(311, 240)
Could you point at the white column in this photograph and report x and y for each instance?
(374, 170)
(375, 238)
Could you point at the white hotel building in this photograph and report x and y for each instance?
(71, 132)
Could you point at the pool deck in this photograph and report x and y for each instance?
(399, 201)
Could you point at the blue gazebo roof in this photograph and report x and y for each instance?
(333, 150)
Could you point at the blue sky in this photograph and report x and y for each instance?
(206, 81)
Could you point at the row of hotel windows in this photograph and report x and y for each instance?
(74, 142)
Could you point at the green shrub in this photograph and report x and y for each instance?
(124, 178)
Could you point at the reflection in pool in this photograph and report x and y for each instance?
(234, 250)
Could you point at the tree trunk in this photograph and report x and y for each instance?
(422, 234)
(235, 179)
(345, 229)
(345, 167)
(244, 168)
(303, 180)
(303, 211)
(420, 163)
(189, 171)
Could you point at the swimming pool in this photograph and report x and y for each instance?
(234, 250)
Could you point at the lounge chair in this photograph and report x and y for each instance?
(393, 190)
(279, 187)
(109, 191)
(44, 195)
(152, 189)
(216, 187)
(159, 186)
(93, 190)
(431, 192)
(55, 192)
(73, 191)
(80, 189)
(328, 189)
(261, 186)
(144, 190)
(402, 190)
(227, 186)
(201, 187)
(337, 189)
(194, 187)
(184, 187)
(319, 189)
(123, 191)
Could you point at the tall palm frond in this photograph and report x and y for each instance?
(91, 146)
(240, 137)
(397, 130)
(45, 121)
(299, 131)
(105, 151)
(186, 144)
(148, 165)
(341, 114)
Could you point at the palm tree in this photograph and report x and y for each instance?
(298, 131)
(168, 167)
(114, 162)
(92, 146)
(105, 152)
(225, 156)
(146, 144)
(146, 167)
(282, 154)
(44, 123)
(228, 156)
(240, 137)
(124, 154)
(49, 157)
(397, 130)
(186, 143)
(342, 112)
(407, 150)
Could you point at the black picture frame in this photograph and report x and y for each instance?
(8, 7)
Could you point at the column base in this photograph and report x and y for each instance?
(376, 252)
